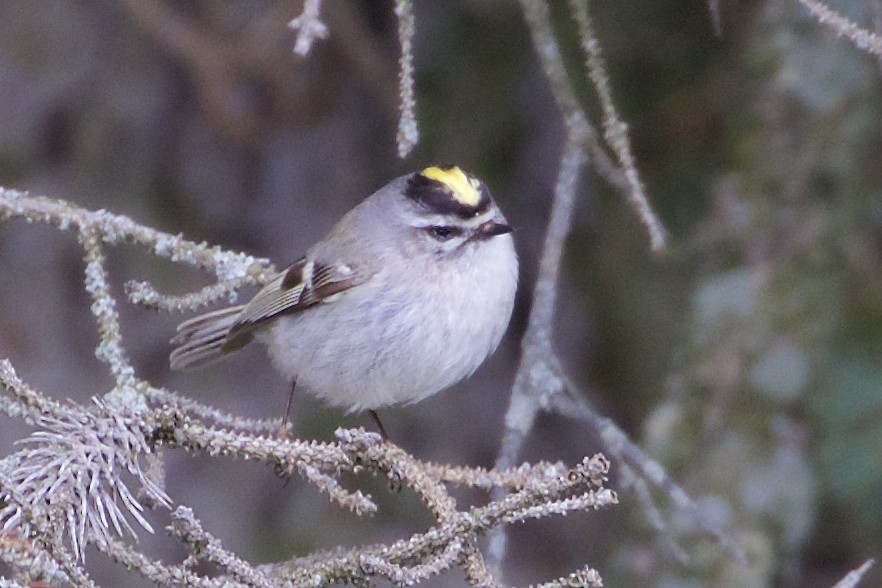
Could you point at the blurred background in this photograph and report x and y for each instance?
(746, 358)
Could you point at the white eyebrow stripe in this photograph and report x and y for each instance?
(440, 220)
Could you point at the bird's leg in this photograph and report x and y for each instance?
(379, 424)
(283, 434)
(395, 482)
(283, 430)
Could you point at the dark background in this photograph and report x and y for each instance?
(745, 358)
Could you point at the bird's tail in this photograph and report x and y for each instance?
(203, 339)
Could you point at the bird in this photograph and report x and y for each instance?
(407, 294)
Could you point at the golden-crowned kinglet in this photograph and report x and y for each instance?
(408, 294)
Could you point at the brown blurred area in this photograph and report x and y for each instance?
(753, 342)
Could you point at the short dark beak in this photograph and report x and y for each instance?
(493, 229)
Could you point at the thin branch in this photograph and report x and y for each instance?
(144, 294)
(615, 129)
(586, 577)
(535, 379)
(160, 573)
(374, 565)
(618, 444)
(539, 376)
(408, 130)
(228, 266)
(576, 123)
(26, 557)
(854, 577)
(534, 374)
(25, 402)
(716, 16)
(208, 414)
(581, 489)
(510, 479)
(477, 572)
(309, 27)
(189, 530)
(630, 479)
(842, 26)
(309, 458)
(110, 346)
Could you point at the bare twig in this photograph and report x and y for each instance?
(619, 444)
(586, 577)
(581, 489)
(536, 379)
(854, 577)
(862, 38)
(615, 130)
(208, 414)
(186, 527)
(22, 554)
(23, 401)
(161, 573)
(228, 266)
(110, 348)
(716, 16)
(309, 27)
(408, 130)
(541, 383)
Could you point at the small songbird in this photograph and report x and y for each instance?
(407, 295)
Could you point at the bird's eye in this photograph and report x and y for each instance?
(442, 233)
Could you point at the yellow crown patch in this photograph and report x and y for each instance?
(464, 188)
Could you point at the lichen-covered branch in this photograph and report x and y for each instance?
(187, 528)
(863, 39)
(615, 131)
(580, 489)
(64, 491)
(207, 414)
(853, 578)
(236, 270)
(309, 27)
(110, 350)
(408, 130)
(72, 467)
(541, 382)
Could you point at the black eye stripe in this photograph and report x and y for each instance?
(443, 233)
